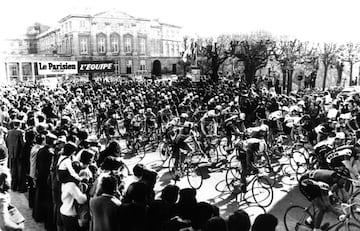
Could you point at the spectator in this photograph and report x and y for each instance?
(215, 224)
(5, 222)
(203, 212)
(265, 222)
(184, 210)
(39, 141)
(134, 208)
(170, 195)
(71, 193)
(15, 144)
(113, 149)
(104, 208)
(25, 159)
(43, 207)
(239, 221)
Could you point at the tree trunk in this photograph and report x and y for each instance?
(284, 73)
(290, 78)
(325, 76)
(250, 72)
(339, 72)
(351, 71)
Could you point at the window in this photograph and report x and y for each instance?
(128, 44)
(101, 44)
(82, 23)
(165, 49)
(70, 45)
(142, 65)
(117, 66)
(67, 46)
(172, 50)
(14, 70)
(69, 26)
(114, 41)
(83, 45)
(142, 46)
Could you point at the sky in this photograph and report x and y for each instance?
(313, 20)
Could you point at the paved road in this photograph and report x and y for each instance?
(213, 190)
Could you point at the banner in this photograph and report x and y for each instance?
(57, 67)
(96, 66)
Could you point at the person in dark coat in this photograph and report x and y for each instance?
(15, 143)
(43, 200)
(25, 159)
(104, 208)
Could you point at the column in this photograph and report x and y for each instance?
(8, 72)
(32, 64)
(20, 72)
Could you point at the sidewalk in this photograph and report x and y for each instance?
(21, 203)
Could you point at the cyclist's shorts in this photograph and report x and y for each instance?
(309, 191)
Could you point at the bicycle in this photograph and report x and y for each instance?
(261, 187)
(189, 166)
(218, 158)
(295, 219)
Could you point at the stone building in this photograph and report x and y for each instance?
(137, 46)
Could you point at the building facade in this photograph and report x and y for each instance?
(135, 45)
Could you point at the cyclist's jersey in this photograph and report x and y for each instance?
(254, 144)
(208, 117)
(321, 179)
(276, 115)
(138, 120)
(255, 132)
(335, 158)
(229, 116)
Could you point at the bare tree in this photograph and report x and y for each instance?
(186, 54)
(328, 54)
(253, 53)
(213, 55)
(288, 53)
(350, 53)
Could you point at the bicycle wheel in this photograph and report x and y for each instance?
(299, 161)
(347, 227)
(140, 150)
(294, 219)
(262, 160)
(171, 166)
(235, 166)
(355, 209)
(164, 151)
(232, 177)
(193, 171)
(262, 191)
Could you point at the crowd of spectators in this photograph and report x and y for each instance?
(74, 183)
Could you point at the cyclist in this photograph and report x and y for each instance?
(179, 143)
(318, 186)
(150, 120)
(231, 116)
(247, 149)
(138, 123)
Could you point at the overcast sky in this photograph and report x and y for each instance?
(316, 20)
